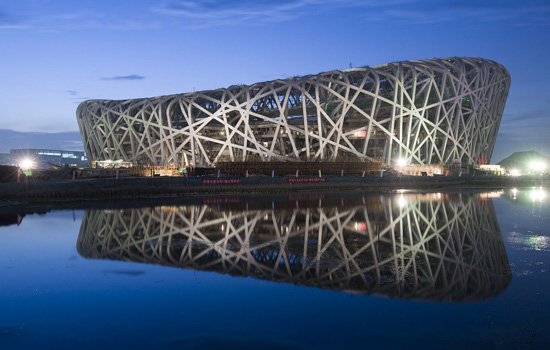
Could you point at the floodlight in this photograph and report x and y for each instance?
(538, 165)
(26, 164)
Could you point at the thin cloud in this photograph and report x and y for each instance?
(525, 117)
(435, 11)
(210, 13)
(75, 96)
(5, 18)
(13, 26)
(177, 13)
(125, 77)
(213, 13)
(8, 21)
(537, 133)
(42, 19)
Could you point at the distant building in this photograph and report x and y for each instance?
(493, 168)
(45, 158)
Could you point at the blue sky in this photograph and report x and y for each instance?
(55, 54)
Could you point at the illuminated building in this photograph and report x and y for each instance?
(435, 111)
(44, 158)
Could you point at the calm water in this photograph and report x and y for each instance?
(404, 270)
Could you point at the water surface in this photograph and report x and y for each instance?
(314, 271)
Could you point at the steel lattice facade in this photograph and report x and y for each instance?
(432, 249)
(433, 111)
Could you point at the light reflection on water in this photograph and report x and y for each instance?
(434, 270)
(535, 203)
(408, 246)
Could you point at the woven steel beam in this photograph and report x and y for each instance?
(434, 111)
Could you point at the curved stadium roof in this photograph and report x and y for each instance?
(427, 111)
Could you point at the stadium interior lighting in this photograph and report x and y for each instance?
(26, 164)
(401, 162)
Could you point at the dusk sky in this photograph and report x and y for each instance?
(55, 54)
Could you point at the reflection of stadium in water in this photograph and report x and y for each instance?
(431, 247)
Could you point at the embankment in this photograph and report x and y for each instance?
(136, 188)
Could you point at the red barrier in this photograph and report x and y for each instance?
(305, 179)
(221, 201)
(221, 181)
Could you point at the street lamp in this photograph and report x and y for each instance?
(26, 164)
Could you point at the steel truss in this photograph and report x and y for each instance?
(427, 112)
(406, 246)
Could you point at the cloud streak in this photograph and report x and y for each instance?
(75, 96)
(40, 17)
(209, 13)
(8, 21)
(212, 13)
(526, 12)
(125, 77)
(215, 13)
(530, 117)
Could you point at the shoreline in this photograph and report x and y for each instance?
(138, 189)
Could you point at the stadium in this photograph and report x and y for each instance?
(434, 111)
